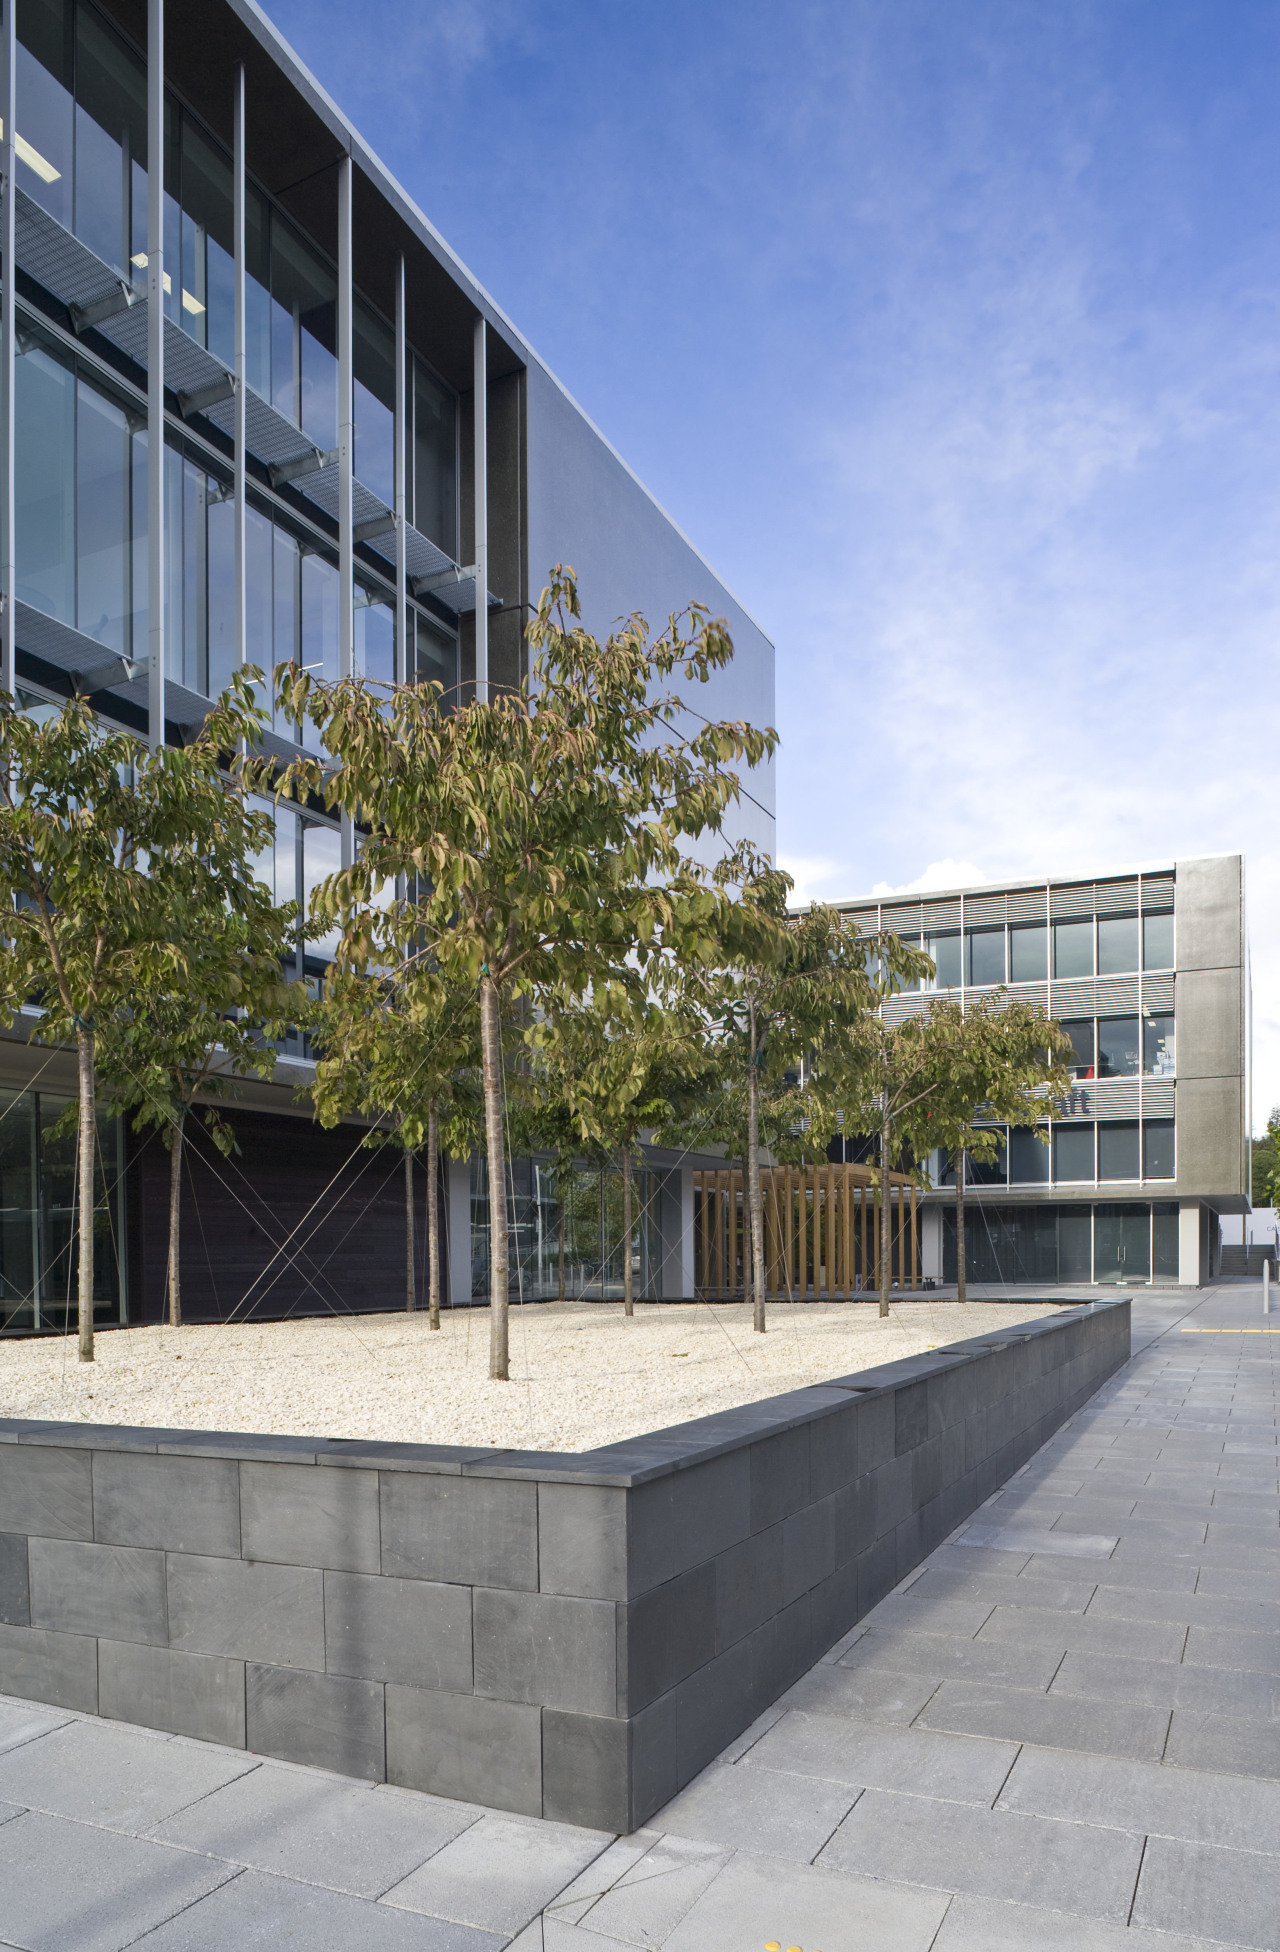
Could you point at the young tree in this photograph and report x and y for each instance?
(108, 853)
(998, 1061)
(400, 1049)
(787, 1004)
(186, 1037)
(542, 833)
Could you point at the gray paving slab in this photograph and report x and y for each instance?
(931, 1764)
(746, 1809)
(1157, 1577)
(1050, 1721)
(23, 1721)
(1197, 1806)
(1169, 1684)
(498, 1873)
(936, 1655)
(1216, 1647)
(1029, 1539)
(866, 1694)
(1203, 1888)
(256, 1911)
(122, 1778)
(318, 1828)
(992, 1925)
(70, 1887)
(1018, 1589)
(755, 1900)
(1187, 1609)
(1021, 1627)
(992, 1853)
(1200, 1740)
(643, 1901)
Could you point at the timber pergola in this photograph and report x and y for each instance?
(825, 1229)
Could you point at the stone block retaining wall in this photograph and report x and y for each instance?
(573, 1636)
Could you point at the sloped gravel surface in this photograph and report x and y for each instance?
(582, 1375)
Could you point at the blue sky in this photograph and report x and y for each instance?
(949, 333)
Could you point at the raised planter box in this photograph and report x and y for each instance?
(572, 1636)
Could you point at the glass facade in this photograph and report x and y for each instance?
(590, 1210)
(1079, 1150)
(38, 1223)
(1119, 1241)
(1103, 945)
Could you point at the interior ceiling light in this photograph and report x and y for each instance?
(33, 159)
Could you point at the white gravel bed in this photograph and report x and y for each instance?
(582, 1375)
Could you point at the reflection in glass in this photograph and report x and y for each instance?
(1073, 948)
(1118, 1047)
(1029, 953)
(1157, 941)
(435, 467)
(1072, 1152)
(1159, 1048)
(1117, 944)
(1118, 1149)
(321, 857)
(375, 639)
(1083, 1061)
(1164, 1241)
(986, 957)
(102, 502)
(988, 1172)
(1158, 1153)
(1122, 1242)
(46, 113)
(1028, 1157)
(1075, 1245)
(946, 953)
(375, 405)
(44, 467)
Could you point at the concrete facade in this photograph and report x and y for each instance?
(570, 1636)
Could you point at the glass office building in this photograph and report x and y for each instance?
(1148, 974)
(229, 328)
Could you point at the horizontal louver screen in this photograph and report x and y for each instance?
(1027, 904)
(903, 919)
(936, 916)
(980, 911)
(1115, 1097)
(1157, 892)
(1158, 1099)
(1103, 996)
(898, 1008)
(1157, 992)
(1116, 897)
(1067, 902)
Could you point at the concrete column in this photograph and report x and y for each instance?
(931, 1242)
(688, 1276)
(480, 376)
(9, 334)
(155, 374)
(458, 1212)
(1189, 1236)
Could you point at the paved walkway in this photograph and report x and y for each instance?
(1062, 1732)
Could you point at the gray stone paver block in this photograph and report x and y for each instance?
(116, 1590)
(462, 1746)
(326, 1720)
(1019, 1589)
(759, 1898)
(1168, 1684)
(1256, 1653)
(992, 1853)
(67, 1885)
(743, 1809)
(949, 1766)
(644, 1905)
(1213, 1891)
(866, 1694)
(1159, 1576)
(1022, 1627)
(15, 1587)
(935, 1655)
(582, 1541)
(319, 1829)
(182, 1504)
(1210, 1741)
(121, 1778)
(1198, 1806)
(1188, 1609)
(409, 1630)
(22, 1721)
(273, 1614)
(993, 1925)
(201, 1695)
(297, 1515)
(258, 1913)
(540, 1647)
(919, 1611)
(1049, 1721)
(498, 1873)
(460, 1531)
(1028, 1539)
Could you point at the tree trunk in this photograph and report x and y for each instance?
(960, 1288)
(755, 1211)
(560, 1239)
(175, 1221)
(491, 1053)
(87, 1144)
(433, 1216)
(628, 1294)
(410, 1245)
(886, 1220)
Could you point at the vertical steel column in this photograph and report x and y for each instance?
(346, 457)
(8, 331)
(481, 417)
(238, 222)
(155, 374)
(404, 662)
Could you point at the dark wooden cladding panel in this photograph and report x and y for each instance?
(298, 1221)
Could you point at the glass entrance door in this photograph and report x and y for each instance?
(1122, 1242)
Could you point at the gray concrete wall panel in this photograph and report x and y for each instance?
(567, 1636)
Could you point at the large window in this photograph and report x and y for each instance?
(1073, 948)
(38, 1227)
(1158, 1045)
(1029, 953)
(1117, 944)
(1118, 1241)
(1119, 1049)
(1157, 941)
(986, 957)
